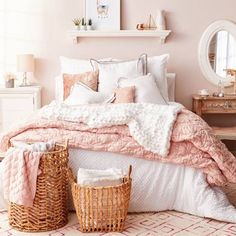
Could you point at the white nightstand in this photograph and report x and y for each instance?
(18, 103)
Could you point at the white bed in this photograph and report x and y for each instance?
(156, 186)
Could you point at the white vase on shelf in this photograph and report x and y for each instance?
(83, 27)
(160, 20)
(89, 27)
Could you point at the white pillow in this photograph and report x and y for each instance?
(157, 67)
(76, 66)
(110, 72)
(81, 94)
(146, 90)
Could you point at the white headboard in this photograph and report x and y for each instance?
(171, 77)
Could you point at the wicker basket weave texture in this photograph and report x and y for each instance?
(49, 210)
(102, 209)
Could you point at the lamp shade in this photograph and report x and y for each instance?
(25, 63)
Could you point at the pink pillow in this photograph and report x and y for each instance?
(124, 95)
(90, 79)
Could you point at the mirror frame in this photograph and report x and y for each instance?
(203, 49)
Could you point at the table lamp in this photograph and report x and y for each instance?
(25, 64)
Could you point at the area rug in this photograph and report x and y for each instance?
(163, 223)
(168, 223)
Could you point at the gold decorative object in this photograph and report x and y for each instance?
(150, 25)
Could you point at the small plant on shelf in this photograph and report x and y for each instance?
(83, 24)
(77, 22)
(90, 24)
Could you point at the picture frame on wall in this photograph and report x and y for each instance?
(105, 14)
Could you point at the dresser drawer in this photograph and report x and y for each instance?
(16, 104)
(218, 106)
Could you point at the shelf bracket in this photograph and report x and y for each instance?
(75, 39)
(163, 40)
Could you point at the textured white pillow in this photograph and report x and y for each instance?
(146, 90)
(157, 67)
(81, 94)
(110, 72)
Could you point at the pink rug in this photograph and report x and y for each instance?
(163, 223)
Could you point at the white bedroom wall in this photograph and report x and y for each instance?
(40, 26)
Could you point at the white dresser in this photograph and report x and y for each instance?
(16, 104)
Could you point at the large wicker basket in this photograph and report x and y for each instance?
(49, 210)
(101, 209)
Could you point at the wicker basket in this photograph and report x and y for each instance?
(49, 210)
(101, 209)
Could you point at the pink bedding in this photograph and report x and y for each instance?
(192, 144)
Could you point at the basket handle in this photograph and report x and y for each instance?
(70, 175)
(66, 143)
(129, 172)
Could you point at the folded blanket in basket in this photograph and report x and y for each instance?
(108, 177)
(20, 170)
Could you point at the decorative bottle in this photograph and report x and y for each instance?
(160, 20)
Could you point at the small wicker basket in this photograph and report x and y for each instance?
(101, 209)
(49, 210)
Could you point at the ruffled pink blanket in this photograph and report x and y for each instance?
(192, 144)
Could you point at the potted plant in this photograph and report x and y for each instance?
(77, 22)
(83, 24)
(90, 24)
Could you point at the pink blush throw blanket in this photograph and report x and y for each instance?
(20, 170)
(192, 143)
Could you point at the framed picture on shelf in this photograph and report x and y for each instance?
(105, 14)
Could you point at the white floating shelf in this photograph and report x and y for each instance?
(161, 34)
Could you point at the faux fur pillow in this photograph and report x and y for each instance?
(90, 79)
(124, 95)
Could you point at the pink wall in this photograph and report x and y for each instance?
(187, 19)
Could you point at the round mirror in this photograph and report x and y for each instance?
(217, 52)
(222, 53)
